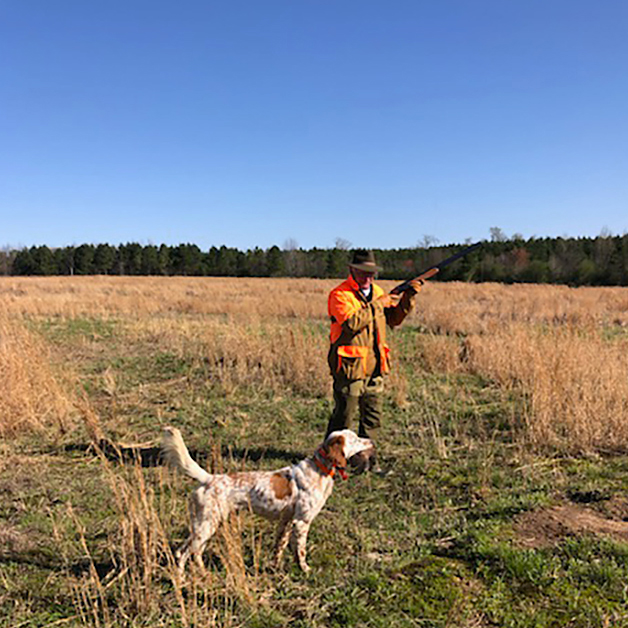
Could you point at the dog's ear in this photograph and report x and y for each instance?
(336, 451)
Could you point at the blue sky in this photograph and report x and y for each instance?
(253, 123)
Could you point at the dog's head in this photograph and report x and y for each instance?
(342, 445)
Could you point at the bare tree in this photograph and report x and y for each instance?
(342, 244)
(497, 235)
(6, 260)
(428, 241)
(293, 258)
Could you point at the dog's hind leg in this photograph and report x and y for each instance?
(183, 553)
(202, 534)
(195, 543)
(205, 517)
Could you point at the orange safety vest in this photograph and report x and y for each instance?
(358, 332)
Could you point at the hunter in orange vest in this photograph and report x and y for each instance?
(359, 311)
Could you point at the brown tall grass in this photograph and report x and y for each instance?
(143, 296)
(561, 349)
(483, 308)
(574, 383)
(264, 353)
(34, 395)
(449, 306)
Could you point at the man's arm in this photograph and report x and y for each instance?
(397, 312)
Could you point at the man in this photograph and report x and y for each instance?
(358, 356)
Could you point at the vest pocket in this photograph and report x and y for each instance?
(352, 361)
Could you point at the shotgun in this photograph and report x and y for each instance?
(432, 270)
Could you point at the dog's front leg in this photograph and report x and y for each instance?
(299, 538)
(281, 539)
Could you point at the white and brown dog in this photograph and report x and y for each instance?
(293, 496)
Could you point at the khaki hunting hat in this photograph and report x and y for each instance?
(364, 260)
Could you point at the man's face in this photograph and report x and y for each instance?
(363, 278)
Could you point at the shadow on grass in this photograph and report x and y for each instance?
(152, 456)
(47, 562)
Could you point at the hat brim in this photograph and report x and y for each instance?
(367, 268)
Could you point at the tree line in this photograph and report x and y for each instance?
(602, 260)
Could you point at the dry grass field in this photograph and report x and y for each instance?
(506, 431)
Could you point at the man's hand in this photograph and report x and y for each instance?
(389, 300)
(417, 283)
(415, 286)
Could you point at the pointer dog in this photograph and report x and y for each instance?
(292, 496)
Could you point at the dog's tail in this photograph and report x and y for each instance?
(176, 453)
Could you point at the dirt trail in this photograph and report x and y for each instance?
(543, 528)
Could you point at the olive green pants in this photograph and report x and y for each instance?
(361, 398)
